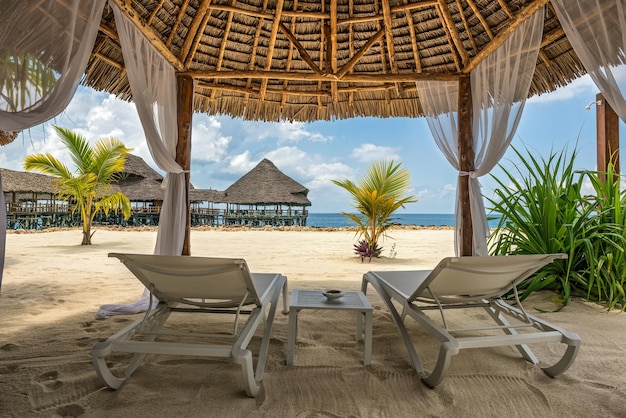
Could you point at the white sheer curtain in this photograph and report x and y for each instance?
(500, 85)
(153, 83)
(44, 50)
(597, 31)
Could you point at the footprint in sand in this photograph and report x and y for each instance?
(49, 382)
(84, 341)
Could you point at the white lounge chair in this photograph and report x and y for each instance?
(197, 285)
(470, 282)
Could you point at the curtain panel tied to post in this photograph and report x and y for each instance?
(499, 87)
(153, 83)
(53, 42)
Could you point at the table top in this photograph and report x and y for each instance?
(314, 299)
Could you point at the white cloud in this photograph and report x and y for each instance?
(241, 163)
(284, 132)
(371, 152)
(208, 144)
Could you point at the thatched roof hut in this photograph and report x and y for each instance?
(267, 185)
(26, 182)
(316, 60)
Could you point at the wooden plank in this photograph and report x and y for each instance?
(184, 111)
(466, 162)
(302, 76)
(607, 125)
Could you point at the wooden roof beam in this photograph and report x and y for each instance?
(521, 16)
(459, 7)
(270, 46)
(406, 8)
(301, 76)
(506, 9)
(303, 53)
(154, 12)
(147, 31)
(481, 18)
(333, 48)
(454, 34)
(179, 18)
(191, 40)
(416, 54)
(255, 45)
(356, 57)
(283, 97)
(220, 56)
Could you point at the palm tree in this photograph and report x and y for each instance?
(377, 196)
(96, 169)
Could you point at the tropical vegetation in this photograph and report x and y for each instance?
(376, 197)
(22, 78)
(97, 167)
(542, 208)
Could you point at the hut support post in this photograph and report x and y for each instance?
(184, 109)
(607, 125)
(466, 164)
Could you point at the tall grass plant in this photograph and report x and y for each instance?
(542, 209)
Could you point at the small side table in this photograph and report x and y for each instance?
(314, 299)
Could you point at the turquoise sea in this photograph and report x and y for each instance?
(336, 220)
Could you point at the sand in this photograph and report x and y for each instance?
(52, 288)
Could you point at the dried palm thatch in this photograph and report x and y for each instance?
(267, 185)
(306, 60)
(7, 137)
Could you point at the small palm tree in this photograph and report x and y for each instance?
(96, 169)
(377, 196)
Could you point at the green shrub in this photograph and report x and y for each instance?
(542, 210)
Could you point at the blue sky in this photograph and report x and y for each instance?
(223, 149)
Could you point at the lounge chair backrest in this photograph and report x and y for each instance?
(185, 277)
(482, 276)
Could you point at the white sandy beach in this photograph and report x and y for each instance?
(52, 288)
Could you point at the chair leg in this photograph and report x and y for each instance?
(417, 365)
(244, 358)
(568, 358)
(269, 320)
(446, 351)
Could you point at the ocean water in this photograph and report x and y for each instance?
(336, 220)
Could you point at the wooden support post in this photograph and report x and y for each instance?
(184, 108)
(607, 125)
(466, 161)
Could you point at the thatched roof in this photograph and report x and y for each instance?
(26, 182)
(266, 184)
(322, 60)
(136, 167)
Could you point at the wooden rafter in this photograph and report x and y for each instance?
(154, 12)
(179, 18)
(452, 31)
(333, 48)
(416, 54)
(150, 35)
(255, 45)
(270, 47)
(388, 26)
(199, 21)
(481, 18)
(506, 9)
(302, 76)
(351, 46)
(466, 25)
(303, 53)
(220, 57)
(283, 96)
(356, 57)
(407, 7)
(521, 16)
